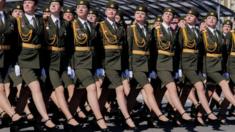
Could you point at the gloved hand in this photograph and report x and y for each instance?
(226, 75)
(130, 74)
(71, 72)
(43, 73)
(17, 70)
(180, 73)
(153, 75)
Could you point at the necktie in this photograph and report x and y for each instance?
(57, 26)
(215, 34)
(114, 26)
(86, 27)
(34, 22)
(194, 31)
(169, 31)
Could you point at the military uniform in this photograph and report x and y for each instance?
(212, 39)
(55, 36)
(163, 38)
(231, 57)
(6, 31)
(190, 40)
(113, 40)
(14, 54)
(30, 29)
(83, 35)
(138, 43)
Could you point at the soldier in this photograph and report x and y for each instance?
(6, 30)
(46, 12)
(55, 38)
(158, 21)
(139, 51)
(84, 35)
(189, 40)
(163, 37)
(68, 14)
(212, 39)
(17, 10)
(30, 28)
(113, 40)
(93, 17)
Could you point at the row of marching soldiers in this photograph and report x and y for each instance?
(104, 62)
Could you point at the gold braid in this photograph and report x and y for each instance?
(233, 37)
(78, 38)
(139, 43)
(188, 43)
(160, 43)
(54, 38)
(26, 37)
(108, 34)
(209, 47)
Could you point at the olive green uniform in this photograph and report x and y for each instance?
(55, 36)
(189, 40)
(84, 35)
(164, 42)
(31, 37)
(231, 57)
(113, 41)
(213, 55)
(138, 42)
(6, 35)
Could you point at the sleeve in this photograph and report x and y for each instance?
(125, 62)
(153, 51)
(99, 49)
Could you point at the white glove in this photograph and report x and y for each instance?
(43, 72)
(17, 70)
(180, 73)
(102, 71)
(71, 72)
(153, 75)
(204, 74)
(130, 74)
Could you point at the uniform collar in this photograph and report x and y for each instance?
(110, 22)
(212, 29)
(82, 20)
(165, 25)
(191, 26)
(55, 18)
(29, 17)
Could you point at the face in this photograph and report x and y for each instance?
(55, 7)
(68, 16)
(17, 13)
(82, 11)
(157, 23)
(174, 23)
(46, 14)
(29, 6)
(92, 18)
(117, 18)
(110, 13)
(140, 16)
(211, 21)
(226, 28)
(167, 17)
(190, 19)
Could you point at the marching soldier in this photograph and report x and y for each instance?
(113, 41)
(212, 39)
(189, 40)
(30, 28)
(56, 30)
(164, 39)
(6, 31)
(46, 12)
(84, 35)
(139, 50)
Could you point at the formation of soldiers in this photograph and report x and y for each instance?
(104, 65)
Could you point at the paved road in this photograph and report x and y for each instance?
(143, 127)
